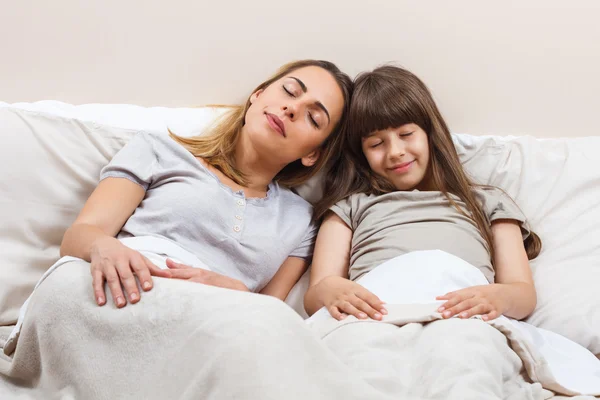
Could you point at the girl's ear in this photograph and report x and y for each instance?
(255, 95)
(310, 159)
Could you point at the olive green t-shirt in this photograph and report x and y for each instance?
(389, 225)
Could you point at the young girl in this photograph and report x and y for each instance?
(401, 188)
(222, 196)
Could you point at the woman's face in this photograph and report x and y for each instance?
(290, 119)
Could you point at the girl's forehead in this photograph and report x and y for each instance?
(398, 129)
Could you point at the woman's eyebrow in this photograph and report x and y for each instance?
(318, 103)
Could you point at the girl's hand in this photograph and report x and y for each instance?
(118, 265)
(343, 297)
(485, 300)
(199, 275)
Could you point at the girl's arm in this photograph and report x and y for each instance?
(513, 293)
(329, 286)
(513, 274)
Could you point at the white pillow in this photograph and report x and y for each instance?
(50, 166)
(556, 182)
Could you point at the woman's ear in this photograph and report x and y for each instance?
(255, 95)
(311, 158)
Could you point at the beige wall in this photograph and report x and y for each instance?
(511, 67)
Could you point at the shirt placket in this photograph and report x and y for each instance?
(239, 217)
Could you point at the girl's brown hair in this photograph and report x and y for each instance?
(389, 97)
(217, 145)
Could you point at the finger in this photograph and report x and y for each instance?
(491, 315)
(335, 313)
(142, 272)
(156, 271)
(373, 301)
(462, 306)
(184, 273)
(98, 285)
(114, 284)
(128, 281)
(174, 265)
(454, 299)
(366, 308)
(349, 309)
(479, 309)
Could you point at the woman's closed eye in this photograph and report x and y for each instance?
(289, 92)
(313, 121)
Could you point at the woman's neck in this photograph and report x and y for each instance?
(258, 173)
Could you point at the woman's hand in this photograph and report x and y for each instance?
(343, 297)
(115, 263)
(486, 300)
(199, 275)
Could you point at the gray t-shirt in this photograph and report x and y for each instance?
(392, 224)
(244, 238)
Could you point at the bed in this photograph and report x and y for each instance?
(519, 123)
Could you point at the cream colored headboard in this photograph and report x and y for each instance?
(511, 67)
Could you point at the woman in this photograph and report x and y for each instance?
(223, 196)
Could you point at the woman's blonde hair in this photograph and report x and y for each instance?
(217, 145)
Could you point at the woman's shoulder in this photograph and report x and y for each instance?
(289, 202)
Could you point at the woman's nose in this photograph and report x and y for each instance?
(289, 111)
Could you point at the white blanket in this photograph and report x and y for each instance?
(557, 363)
(188, 341)
(182, 340)
(155, 249)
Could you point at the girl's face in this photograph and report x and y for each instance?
(289, 119)
(400, 155)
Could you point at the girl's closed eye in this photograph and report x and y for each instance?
(406, 134)
(376, 144)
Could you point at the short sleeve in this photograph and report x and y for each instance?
(307, 246)
(343, 209)
(135, 161)
(498, 205)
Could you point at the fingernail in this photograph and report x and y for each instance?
(343, 316)
(120, 301)
(100, 300)
(464, 315)
(147, 285)
(362, 315)
(447, 314)
(377, 315)
(441, 309)
(384, 311)
(133, 296)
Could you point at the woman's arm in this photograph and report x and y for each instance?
(103, 215)
(329, 286)
(285, 278)
(92, 238)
